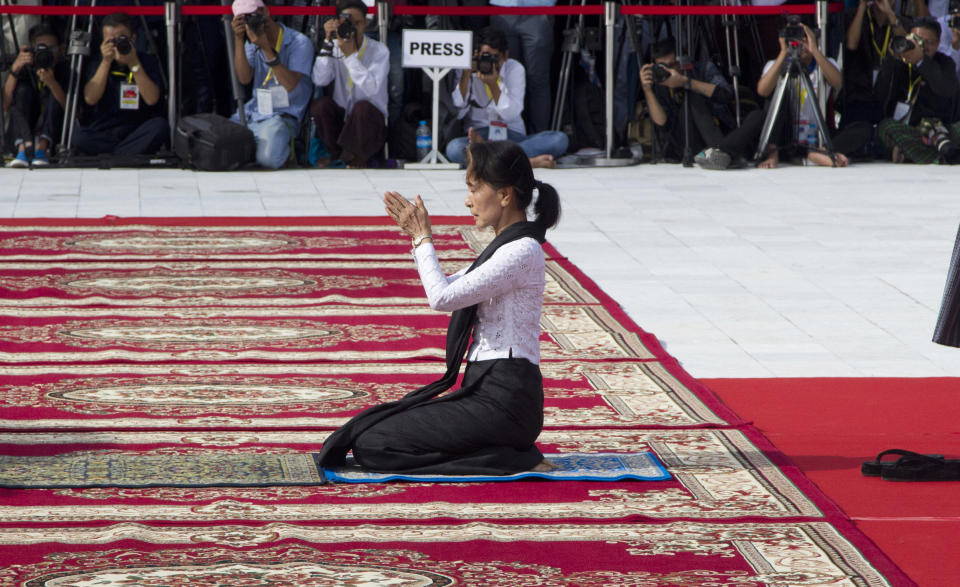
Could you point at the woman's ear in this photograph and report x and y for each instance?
(506, 196)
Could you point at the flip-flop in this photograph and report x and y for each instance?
(922, 468)
(875, 468)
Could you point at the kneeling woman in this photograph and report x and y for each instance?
(489, 425)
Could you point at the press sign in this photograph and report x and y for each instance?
(423, 48)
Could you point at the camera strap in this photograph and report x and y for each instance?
(277, 50)
(128, 75)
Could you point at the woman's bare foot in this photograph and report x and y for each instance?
(473, 136)
(772, 160)
(544, 161)
(822, 159)
(545, 466)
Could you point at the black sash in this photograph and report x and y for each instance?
(340, 442)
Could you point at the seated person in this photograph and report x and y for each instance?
(34, 96)
(276, 59)
(800, 135)
(709, 93)
(917, 90)
(490, 96)
(122, 96)
(352, 124)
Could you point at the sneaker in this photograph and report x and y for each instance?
(19, 161)
(712, 158)
(40, 158)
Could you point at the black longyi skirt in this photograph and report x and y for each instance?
(487, 427)
(947, 331)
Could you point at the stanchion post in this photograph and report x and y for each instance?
(609, 20)
(170, 14)
(383, 20)
(822, 14)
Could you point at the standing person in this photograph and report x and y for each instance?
(277, 60)
(34, 95)
(530, 40)
(489, 425)
(352, 123)
(122, 95)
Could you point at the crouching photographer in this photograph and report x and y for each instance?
(666, 86)
(351, 123)
(35, 97)
(123, 106)
(490, 97)
(917, 88)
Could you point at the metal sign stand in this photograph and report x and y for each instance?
(430, 161)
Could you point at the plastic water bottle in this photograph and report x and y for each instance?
(424, 141)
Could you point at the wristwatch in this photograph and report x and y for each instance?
(418, 240)
(273, 62)
(135, 69)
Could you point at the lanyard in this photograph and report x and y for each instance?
(486, 88)
(128, 75)
(277, 51)
(913, 84)
(873, 37)
(359, 56)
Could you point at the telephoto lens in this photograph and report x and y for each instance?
(900, 45)
(660, 73)
(346, 28)
(486, 62)
(123, 44)
(255, 21)
(43, 57)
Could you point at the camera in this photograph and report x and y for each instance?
(793, 31)
(255, 21)
(123, 44)
(900, 45)
(43, 57)
(486, 62)
(346, 30)
(660, 73)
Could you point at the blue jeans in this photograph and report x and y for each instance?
(273, 139)
(548, 142)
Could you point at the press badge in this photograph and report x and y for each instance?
(129, 97)
(901, 112)
(498, 131)
(264, 101)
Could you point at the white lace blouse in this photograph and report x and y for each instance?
(509, 291)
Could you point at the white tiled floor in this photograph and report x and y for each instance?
(794, 272)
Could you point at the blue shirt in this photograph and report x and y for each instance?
(296, 54)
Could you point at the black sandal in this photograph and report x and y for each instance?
(875, 468)
(922, 468)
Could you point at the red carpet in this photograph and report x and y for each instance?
(828, 426)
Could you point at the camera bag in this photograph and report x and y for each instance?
(210, 142)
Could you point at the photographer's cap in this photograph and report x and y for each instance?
(246, 6)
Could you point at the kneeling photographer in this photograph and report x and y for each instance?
(490, 97)
(35, 96)
(917, 88)
(666, 86)
(123, 112)
(794, 127)
(351, 123)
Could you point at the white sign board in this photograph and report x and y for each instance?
(437, 48)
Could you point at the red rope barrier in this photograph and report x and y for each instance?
(590, 10)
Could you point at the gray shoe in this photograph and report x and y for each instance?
(712, 158)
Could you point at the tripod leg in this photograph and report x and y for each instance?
(776, 104)
(818, 117)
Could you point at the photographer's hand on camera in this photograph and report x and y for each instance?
(24, 59)
(239, 27)
(914, 55)
(646, 77)
(108, 51)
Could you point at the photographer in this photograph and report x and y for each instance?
(352, 123)
(490, 96)
(122, 96)
(34, 96)
(665, 87)
(873, 25)
(797, 42)
(277, 60)
(917, 90)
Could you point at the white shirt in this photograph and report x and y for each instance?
(513, 85)
(509, 291)
(362, 76)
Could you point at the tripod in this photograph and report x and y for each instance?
(575, 40)
(793, 71)
(78, 49)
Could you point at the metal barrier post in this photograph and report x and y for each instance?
(609, 20)
(383, 20)
(822, 13)
(170, 12)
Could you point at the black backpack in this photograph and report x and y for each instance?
(210, 142)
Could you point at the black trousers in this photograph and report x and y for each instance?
(743, 141)
(704, 131)
(353, 139)
(123, 139)
(488, 427)
(34, 114)
(947, 331)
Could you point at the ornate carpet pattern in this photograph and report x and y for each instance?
(233, 346)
